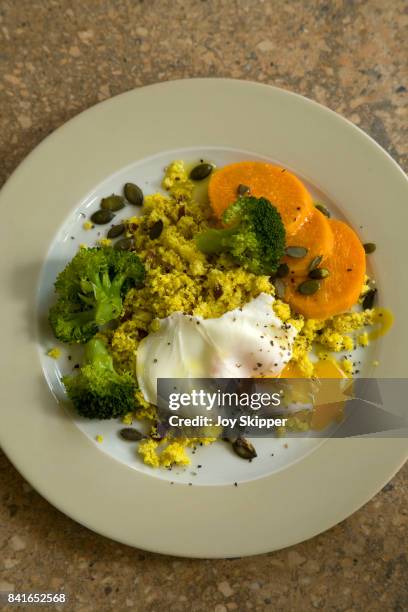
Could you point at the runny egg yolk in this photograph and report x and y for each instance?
(325, 368)
(329, 403)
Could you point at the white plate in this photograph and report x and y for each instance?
(280, 500)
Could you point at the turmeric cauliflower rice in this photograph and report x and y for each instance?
(205, 280)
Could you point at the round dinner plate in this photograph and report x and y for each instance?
(54, 453)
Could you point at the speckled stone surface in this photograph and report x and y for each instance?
(57, 58)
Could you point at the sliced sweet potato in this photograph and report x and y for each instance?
(341, 289)
(317, 236)
(281, 187)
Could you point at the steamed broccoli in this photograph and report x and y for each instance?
(90, 291)
(254, 236)
(98, 391)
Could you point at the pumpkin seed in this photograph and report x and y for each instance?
(316, 261)
(243, 448)
(369, 247)
(242, 190)
(296, 251)
(131, 434)
(116, 230)
(124, 244)
(282, 271)
(113, 202)
(280, 288)
(319, 273)
(102, 216)
(323, 210)
(369, 299)
(200, 172)
(156, 229)
(133, 194)
(308, 287)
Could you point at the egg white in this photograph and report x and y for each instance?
(243, 343)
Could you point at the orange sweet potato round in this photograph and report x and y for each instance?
(317, 236)
(341, 290)
(281, 187)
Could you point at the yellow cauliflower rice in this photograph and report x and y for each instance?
(179, 277)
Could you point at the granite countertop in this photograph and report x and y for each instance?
(59, 57)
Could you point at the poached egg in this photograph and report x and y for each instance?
(247, 342)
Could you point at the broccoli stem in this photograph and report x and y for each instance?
(97, 353)
(215, 240)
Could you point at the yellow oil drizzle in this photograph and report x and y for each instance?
(382, 322)
(200, 192)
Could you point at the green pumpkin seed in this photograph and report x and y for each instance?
(131, 434)
(282, 271)
(243, 190)
(133, 194)
(319, 273)
(116, 230)
(125, 244)
(102, 216)
(308, 287)
(243, 448)
(369, 247)
(200, 172)
(296, 251)
(280, 288)
(323, 210)
(156, 229)
(113, 202)
(369, 299)
(316, 261)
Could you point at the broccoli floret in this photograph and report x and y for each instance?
(98, 391)
(70, 324)
(254, 236)
(90, 291)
